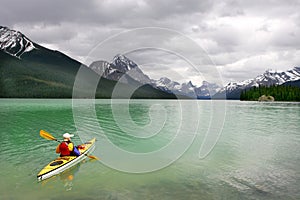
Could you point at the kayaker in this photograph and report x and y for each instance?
(66, 147)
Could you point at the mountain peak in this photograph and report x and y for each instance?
(123, 64)
(205, 83)
(165, 80)
(190, 84)
(120, 56)
(14, 42)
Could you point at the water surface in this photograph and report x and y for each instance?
(256, 157)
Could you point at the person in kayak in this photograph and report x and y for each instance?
(66, 147)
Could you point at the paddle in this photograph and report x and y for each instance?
(48, 136)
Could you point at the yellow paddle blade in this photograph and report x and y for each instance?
(93, 157)
(46, 135)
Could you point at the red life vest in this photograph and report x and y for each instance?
(64, 150)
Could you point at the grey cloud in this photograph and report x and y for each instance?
(76, 27)
(96, 12)
(48, 34)
(275, 8)
(43, 11)
(177, 7)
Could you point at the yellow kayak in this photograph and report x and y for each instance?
(60, 164)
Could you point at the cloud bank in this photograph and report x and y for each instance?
(242, 38)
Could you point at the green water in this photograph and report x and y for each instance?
(257, 155)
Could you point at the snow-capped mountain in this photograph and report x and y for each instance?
(205, 91)
(29, 70)
(120, 69)
(102, 68)
(14, 42)
(268, 78)
(166, 84)
(123, 69)
(187, 89)
(123, 64)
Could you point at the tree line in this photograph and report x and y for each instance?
(279, 92)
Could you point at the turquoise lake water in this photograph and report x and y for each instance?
(154, 149)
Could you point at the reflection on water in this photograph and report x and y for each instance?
(68, 177)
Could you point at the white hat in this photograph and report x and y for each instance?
(68, 135)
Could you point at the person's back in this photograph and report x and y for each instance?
(66, 147)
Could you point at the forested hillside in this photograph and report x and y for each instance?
(279, 92)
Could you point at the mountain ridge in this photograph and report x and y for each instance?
(24, 62)
(124, 70)
(270, 77)
(29, 70)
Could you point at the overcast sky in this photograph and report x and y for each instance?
(241, 38)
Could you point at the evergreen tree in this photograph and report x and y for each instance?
(279, 92)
